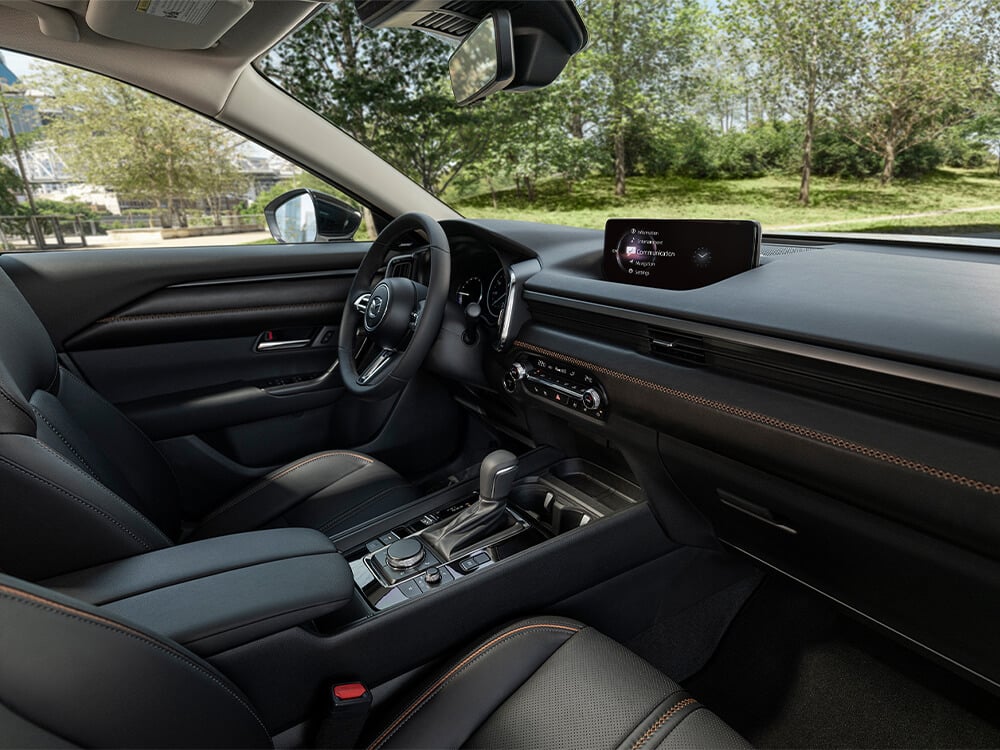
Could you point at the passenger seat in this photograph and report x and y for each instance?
(72, 676)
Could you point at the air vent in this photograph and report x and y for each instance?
(446, 23)
(681, 348)
(401, 269)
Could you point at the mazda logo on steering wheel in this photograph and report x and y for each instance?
(378, 305)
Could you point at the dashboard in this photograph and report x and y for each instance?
(833, 412)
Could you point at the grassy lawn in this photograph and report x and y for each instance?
(770, 200)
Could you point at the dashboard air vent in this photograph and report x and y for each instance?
(681, 348)
(401, 268)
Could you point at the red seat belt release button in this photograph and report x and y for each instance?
(349, 691)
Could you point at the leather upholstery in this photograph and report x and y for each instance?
(69, 670)
(73, 675)
(328, 491)
(220, 593)
(553, 683)
(82, 485)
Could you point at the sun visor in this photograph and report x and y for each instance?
(167, 24)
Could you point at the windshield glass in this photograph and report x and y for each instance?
(841, 115)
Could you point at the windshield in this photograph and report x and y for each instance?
(840, 115)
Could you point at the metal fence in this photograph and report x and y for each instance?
(44, 232)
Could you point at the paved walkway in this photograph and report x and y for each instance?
(887, 217)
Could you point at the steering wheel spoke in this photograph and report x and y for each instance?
(361, 302)
(382, 360)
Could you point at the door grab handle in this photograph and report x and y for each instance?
(273, 346)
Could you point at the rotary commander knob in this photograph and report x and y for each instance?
(591, 399)
(512, 376)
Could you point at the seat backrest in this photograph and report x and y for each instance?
(71, 676)
(79, 483)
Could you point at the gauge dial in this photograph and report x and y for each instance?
(496, 296)
(469, 291)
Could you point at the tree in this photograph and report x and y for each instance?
(640, 59)
(803, 52)
(134, 143)
(985, 126)
(925, 71)
(386, 89)
(10, 186)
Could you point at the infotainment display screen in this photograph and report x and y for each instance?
(678, 253)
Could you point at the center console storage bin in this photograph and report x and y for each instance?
(219, 593)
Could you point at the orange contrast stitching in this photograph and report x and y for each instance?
(271, 479)
(661, 721)
(224, 311)
(429, 693)
(132, 632)
(821, 437)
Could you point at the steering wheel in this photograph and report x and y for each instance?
(400, 316)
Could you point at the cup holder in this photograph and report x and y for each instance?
(551, 509)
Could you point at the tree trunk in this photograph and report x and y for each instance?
(529, 185)
(619, 138)
(888, 164)
(807, 147)
(493, 191)
(369, 220)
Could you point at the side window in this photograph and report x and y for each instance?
(87, 161)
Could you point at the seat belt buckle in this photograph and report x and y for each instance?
(347, 710)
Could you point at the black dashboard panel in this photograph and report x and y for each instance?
(834, 412)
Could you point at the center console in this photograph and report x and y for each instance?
(438, 548)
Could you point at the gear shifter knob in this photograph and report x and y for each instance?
(496, 475)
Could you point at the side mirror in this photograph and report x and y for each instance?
(484, 62)
(304, 215)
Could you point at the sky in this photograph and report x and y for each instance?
(19, 64)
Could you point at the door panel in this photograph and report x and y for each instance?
(183, 340)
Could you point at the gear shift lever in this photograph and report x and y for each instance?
(486, 515)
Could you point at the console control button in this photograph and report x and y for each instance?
(405, 553)
(480, 558)
(468, 565)
(389, 538)
(432, 576)
(410, 589)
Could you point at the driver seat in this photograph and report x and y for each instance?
(82, 485)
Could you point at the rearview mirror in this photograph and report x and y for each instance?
(484, 62)
(304, 215)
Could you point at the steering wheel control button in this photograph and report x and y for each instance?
(378, 306)
(405, 553)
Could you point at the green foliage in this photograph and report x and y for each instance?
(47, 207)
(836, 155)
(136, 144)
(924, 71)
(10, 185)
(387, 89)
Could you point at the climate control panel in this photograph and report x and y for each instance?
(560, 382)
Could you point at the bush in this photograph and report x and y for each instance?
(919, 160)
(835, 155)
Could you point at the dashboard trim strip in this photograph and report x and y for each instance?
(779, 424)
(973, 384)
